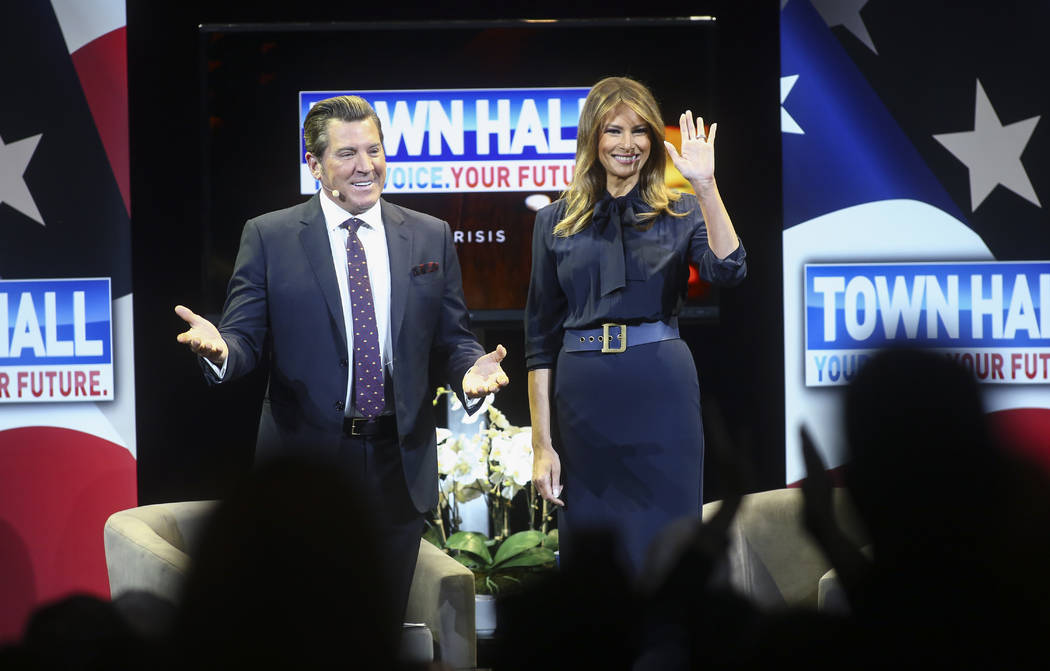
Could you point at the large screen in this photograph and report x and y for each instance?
(905, 224)
(479, 124)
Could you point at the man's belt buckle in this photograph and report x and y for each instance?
(356, 424)
(607, 338)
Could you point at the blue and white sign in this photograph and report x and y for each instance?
(876, 172)
(993, 317)
(56, 341)
(469, 140)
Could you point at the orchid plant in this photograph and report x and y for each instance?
(495, 463)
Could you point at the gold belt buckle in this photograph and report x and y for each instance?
(607, 338)
(357, 426)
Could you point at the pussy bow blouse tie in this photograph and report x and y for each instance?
(610, 216)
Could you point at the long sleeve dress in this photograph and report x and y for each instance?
(626, 426)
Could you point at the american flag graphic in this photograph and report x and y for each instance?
(64, 213)
(911, 132)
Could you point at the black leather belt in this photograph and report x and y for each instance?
(383, 426)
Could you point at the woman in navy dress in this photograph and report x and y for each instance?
(613, 391)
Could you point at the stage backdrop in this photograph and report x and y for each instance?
(67, 398)
(916, 180)
(482, 137)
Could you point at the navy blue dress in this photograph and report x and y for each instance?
(626, 426)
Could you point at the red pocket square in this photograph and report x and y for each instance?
(424, 268)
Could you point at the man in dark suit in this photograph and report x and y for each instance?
(331, 282)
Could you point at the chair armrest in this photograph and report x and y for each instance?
(191, 518)
(138, 558)
(831, 597)
(442, 597)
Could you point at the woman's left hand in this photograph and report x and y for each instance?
(697, 160)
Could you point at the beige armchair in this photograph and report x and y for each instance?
(148, 548)
(772, 558)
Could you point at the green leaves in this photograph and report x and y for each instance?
(433, 535)
(521, 553)
(530, 557)
(472, 542)
(516, 544)
(550, 541)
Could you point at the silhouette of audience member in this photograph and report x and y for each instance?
(580, 617)
(957, 525)
(692, 616)
(958, 531)
(956, 577)
(79, 633)
(150, 616)
(287, 575)
(676, 614)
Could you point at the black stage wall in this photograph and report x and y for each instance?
(195, 442)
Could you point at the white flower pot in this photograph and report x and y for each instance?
(485, 615)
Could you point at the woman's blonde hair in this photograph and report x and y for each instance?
(588, 183)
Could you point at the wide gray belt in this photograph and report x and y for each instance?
(615, 338)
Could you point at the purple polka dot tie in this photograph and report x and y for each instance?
(368, 363)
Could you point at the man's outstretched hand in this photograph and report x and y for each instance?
(486, 376)
(204, 339)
